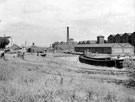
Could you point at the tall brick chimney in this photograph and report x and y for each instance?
(67, 34)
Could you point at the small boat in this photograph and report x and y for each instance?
(41, 54)
(97, 61)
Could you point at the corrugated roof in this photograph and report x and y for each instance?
(103, 45)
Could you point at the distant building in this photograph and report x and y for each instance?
(91, 42)
(115, 44)
(132, 38)
(100, 39)
(84, 42)
(122, 38)
(80, 42)
(111, 38)
(88, 42)
(64, 46)
(125, 38)
(55, 45)
(117, 38)
(36, 49)
(106, 48)
(15, 47)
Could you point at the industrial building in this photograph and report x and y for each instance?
(100, 39)
(115, 44)
(105, 48)
(65, 46)
(88, 42)
(122, 38)
(36, 49)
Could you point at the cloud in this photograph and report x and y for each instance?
(2, 1)
(45, 21)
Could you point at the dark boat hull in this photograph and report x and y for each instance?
(118, 63)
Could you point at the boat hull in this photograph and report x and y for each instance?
(118, 63)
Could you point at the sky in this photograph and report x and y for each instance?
(44, 21)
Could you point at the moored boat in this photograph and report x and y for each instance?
(107, 61)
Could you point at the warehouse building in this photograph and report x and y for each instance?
(106, 48)
(132, 39)
(125, 38)
(117, 38)
(122, 38)
(111, 38)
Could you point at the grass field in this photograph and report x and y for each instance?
(59, 79)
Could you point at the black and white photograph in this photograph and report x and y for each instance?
(67, 50)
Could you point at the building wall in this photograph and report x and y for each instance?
(64, 46)
(132, 38)
(100, 39)
(117, 39)
(107, 50)
(104, 50)
(123, 50)
(117, 50)
(128, 50)
(125, 38)
(111, 39)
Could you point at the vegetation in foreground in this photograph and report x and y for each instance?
(21, 81)
(130, 67)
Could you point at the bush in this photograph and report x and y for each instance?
(130, 68)
(3, 42)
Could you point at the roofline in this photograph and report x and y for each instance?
(102, 45)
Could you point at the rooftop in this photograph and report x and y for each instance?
(104, 45)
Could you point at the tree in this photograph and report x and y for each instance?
(3, 42)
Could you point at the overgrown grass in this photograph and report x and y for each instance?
(130, 67)
(27, 82)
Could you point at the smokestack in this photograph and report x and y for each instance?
(67, 34)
